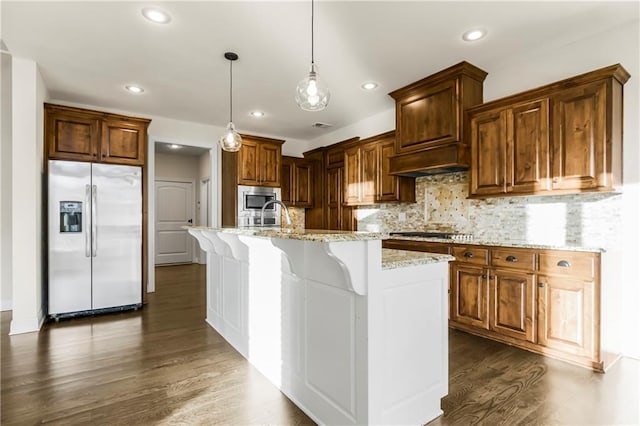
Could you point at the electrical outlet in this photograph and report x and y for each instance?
(402, 217)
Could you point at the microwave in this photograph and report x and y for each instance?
(250, 202)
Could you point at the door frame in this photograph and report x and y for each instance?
(204, 210)
(215, 175)
(194, 212)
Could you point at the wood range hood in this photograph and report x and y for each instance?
(430, 126)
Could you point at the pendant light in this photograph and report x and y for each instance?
(312, 94)
(231, 140)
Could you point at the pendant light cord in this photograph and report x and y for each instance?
(312, 62)
(230, 91)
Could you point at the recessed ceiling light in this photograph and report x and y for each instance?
(257, 114)
(134, 89)
(369, 85)
(156, 15)
(475, 34)
(174, 146)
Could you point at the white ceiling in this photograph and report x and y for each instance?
(87, 52)
(173, 149)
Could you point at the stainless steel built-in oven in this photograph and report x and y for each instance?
(250, 202)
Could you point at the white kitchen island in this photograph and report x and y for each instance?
(350, 332)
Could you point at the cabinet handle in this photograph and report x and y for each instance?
(564, 264)
(491, 277)
(540, 285)
(468, 254)
(484, 277)
(512, 259)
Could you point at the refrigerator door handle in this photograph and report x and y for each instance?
(94, 221)
(85, 216)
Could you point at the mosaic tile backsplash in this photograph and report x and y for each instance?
(588, 219)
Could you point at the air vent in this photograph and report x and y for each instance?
(319, 125)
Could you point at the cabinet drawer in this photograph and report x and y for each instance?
(474, 255)
(581, 265)
(416, 246)
(513, 258)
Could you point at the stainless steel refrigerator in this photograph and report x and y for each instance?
(95, 237)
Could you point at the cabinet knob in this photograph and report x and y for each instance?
(540, 285)
(468, 254)
(484, 277)
(563, 264)
(512, 259)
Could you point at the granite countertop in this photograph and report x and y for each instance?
(504, 243)
(320, 235)
(392, 258)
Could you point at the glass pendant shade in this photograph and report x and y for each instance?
(312, 94)
(231, 140)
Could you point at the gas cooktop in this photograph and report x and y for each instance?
(445, 235)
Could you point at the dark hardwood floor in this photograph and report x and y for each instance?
(165, 365)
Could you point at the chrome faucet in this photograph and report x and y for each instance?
(286, 211)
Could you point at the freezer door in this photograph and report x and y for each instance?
(117, 235)
(69, 236)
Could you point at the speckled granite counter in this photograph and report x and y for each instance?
(503, 243)
(322, 235)
(392, 258)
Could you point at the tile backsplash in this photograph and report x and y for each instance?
(587, 219)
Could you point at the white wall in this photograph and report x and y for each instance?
(182, 167)
(533, 69)
(370, 126)
(28, 95)
(6, 290)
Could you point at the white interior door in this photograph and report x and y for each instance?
(174, 209)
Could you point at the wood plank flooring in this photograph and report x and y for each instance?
(165, 365)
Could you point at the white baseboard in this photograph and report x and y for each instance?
(26, 325)
(6, 305)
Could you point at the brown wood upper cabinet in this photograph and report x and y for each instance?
(297, 182)
(337, 215)
(565, 137)
(510, 149)
(366, 171)
(85, 135)
(259, 161)
(429, 120)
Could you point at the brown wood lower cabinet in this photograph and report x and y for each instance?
(545, 301)
(469, 296)
(566, 315)
(512, 304)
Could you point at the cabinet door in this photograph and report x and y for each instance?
(287, 181)
(269, 156)
(488, 153)
(528, 147)
(72, 135)
(369, 173)
(511, 304)
(427, 119)
(566, 315)
(303, 184)
(352, 176)
(388, 189)
(123, 142)
(248, 166)
(334, 198)
(579, 144)
(470, 296)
